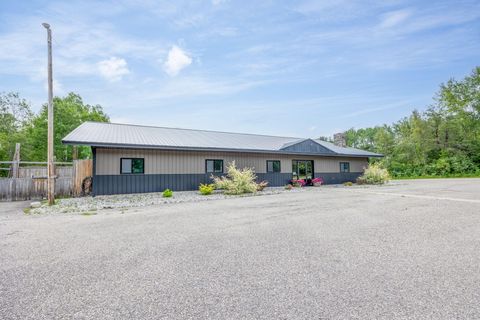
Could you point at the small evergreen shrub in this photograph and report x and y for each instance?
(348, 184)
(206, 189)
(237, 181)
(374, 174)
(167, 193)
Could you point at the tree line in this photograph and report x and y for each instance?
(442, 141)
(18, 124)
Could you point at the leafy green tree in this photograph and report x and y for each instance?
(461, 100)
(442, 141)
(361, 138)
(324, 138)
(69, 113)
(384, 140)
(15, 113)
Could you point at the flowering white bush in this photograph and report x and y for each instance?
(237, 181)
(374, 174)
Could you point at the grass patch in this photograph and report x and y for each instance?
(27, 210)
(66, 196)
(45, 202)
(89, 213)
(453, 176)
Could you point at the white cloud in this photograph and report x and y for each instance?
(176, 61)
(393, 18)
(113, 69)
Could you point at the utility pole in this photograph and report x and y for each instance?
(50, 165)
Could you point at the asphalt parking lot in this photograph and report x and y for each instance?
(410, 250)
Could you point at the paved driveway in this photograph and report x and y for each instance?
(409, 251)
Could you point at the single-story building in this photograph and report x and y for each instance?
(134, 158)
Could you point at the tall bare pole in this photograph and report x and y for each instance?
(50, 164)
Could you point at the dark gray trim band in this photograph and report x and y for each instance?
(122, 184)
(338, 177)
(275, 179)
(94, 170)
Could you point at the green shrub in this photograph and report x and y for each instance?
(167, 193)
(206, 189)
(374, 174)
(237, 181)
(348, 184)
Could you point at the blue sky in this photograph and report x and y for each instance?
(299, 68)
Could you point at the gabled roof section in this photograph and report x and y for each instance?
(100, 134)
(347, 150)
(306, 146)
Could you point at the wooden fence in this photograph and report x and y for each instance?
(81, 170)
(31, 182)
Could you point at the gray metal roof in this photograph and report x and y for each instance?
(135, 136)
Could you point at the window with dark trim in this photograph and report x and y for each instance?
(132, 166)
(273, 166)
(344, 166)
(214, 166)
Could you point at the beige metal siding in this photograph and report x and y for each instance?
(170, 162)
(333, 164)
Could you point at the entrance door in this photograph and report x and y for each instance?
(302, 169)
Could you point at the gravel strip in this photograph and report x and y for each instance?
(90, 205)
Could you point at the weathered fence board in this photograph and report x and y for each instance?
(32, 182)
(39, 172)
(27, 188)
(81, 170)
